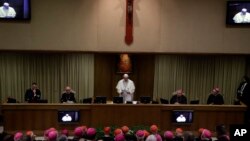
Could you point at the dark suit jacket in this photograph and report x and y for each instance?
(181, 99)
(215, 99)
(30, 96)
(107, 139)
(245, 96)
(68, 97)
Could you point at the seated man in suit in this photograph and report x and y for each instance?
(178, 97)
(215, 97)
(33, 93)
(68, 96)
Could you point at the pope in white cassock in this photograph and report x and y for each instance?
(6, 11)
(242, 17)
(181, 118)
(66, 118)
(126, 88)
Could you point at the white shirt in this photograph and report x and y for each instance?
(242, 18)
(126, 89)
(7, 13)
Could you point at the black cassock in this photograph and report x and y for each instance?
(68, 97)
(215, 99)
(243, 93)
(180, 99)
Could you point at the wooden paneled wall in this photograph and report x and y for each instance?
(106, 76)
(38, 117)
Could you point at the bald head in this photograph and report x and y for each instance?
(243, 11)
(125, 77)
(67, 89)
(179, 92)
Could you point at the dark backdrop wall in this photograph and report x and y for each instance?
(106, 76)
(248, 66)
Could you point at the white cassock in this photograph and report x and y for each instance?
(126, 89)
(241, 18)
(181, 118)
(66, 118)
(7, 13)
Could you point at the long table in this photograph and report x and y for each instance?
(39, 117)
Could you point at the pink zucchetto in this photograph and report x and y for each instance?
(119, 137)
(169, 135)
(91, 132)
(52, 136)
(140, 134)
(65, 132)
(18, 136)
(78, 132)
(206, 135)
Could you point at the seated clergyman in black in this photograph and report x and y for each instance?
(178, 98)
(68, 95)
(215, 97)
(33, 93)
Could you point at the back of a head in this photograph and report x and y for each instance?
(78, 132)
(125, 129)
(178, 138)
(119, 137)
(206, 135)
(52, 136)
(223, 138)
(158, 137)
(151, 138)
(62, 138)
(169, 136)
(107, 139)
(140, 134)
(107, 131)
(8, 138)
(188, 136)
(246, 78)
(18, 136)
(153, 129)
(179, 131)
(117, 131)
(131, 137)
(221, 130)
(27, 138)
(65, 132)
(91, 132)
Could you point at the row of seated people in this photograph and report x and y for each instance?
(82, 133)
(34, 95)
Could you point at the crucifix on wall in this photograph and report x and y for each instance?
(129, 22)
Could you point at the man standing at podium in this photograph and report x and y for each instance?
(126, 88)
(33, 93)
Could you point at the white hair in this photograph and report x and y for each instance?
(151, 138)
(125, 75)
